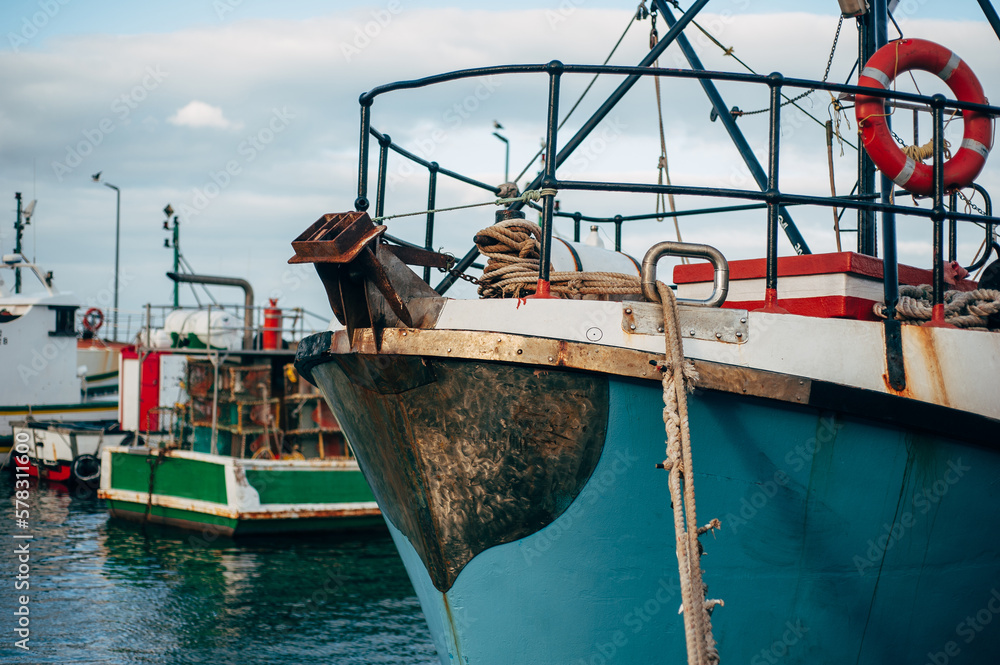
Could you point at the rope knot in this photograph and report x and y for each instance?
(508, 190)
(919, 153)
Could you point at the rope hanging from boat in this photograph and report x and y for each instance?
(678, 378)
(964, 309)
(513, 251)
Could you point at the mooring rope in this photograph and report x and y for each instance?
(513, 252)
(678, 378)
(965, 309)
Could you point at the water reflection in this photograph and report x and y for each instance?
(110, 592)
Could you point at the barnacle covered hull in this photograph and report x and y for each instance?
(847, 536)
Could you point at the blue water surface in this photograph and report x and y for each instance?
(109, 592)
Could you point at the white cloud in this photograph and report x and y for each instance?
(91, 102)
(200, 114)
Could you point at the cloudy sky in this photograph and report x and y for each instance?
(243, 115)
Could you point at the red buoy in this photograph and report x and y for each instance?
(884, 66)
(271, 334)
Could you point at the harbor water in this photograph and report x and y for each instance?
(109, 592)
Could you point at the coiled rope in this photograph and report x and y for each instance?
(965, 309)
(678, 380)
(513, 251)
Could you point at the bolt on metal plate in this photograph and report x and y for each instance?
(711, 323)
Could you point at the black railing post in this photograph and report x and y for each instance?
(555, 69)
(938, 213)
(577, 217)
(431, 198)
(952, 227)
(867, 45)
(773, 197)
(618, 233)
(895, 369)
(383, 166)
(361, 203)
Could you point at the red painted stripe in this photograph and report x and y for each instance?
(824, 307)
(806, 264)
(58, 473)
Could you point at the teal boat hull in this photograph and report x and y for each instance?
(843, 539)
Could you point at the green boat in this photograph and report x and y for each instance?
(229, 496)
(228, 439)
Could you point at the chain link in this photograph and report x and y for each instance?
(968, 202)
(458, 274)
(829, 63)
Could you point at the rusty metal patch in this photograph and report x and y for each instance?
(466, 455)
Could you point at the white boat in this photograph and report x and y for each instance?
(39, 356)
(68, 451)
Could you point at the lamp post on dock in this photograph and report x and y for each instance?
(118, 216)
(506, 161)
(168, 211)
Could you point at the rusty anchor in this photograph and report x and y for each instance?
(349, 255)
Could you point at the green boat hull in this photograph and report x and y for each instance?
(221, 495)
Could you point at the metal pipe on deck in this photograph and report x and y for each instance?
(226, 281)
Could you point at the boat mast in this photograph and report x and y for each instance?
(18, 229)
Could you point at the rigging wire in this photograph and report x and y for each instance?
(636, 17)
(663, 166)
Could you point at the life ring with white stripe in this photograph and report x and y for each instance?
(885, 65)
(93, 320)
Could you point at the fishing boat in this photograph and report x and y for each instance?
(228, 440)
(837, 412)
(44, 367)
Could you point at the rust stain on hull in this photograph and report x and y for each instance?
(451, 629)
(922, 363)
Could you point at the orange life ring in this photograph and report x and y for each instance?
(885, 65)
(93, 319)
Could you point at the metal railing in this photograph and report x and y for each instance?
(292, 328)
(771, 198)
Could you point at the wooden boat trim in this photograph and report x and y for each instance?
(638, 364)
(275, 511)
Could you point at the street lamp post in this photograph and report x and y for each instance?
(168, 211)
(118, 217)
(506, 161)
